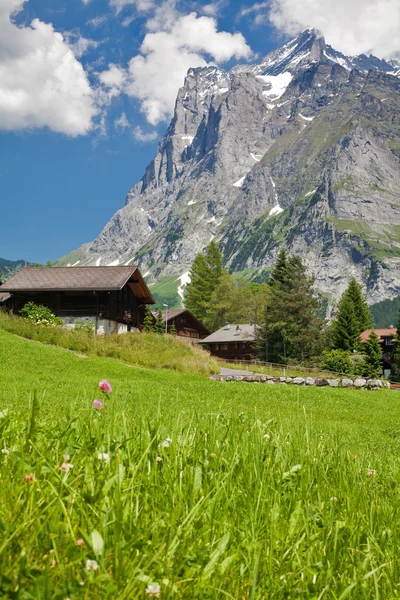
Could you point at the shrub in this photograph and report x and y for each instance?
(86, 326)
(337, 361)
(40, 315)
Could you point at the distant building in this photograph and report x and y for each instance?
(185, 322)
(5, 302)
(112, 298)
(233, 342)
(387, 341)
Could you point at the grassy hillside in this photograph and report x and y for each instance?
(262, 492)
(386, 313)
(140, 349)
(165, 291)
(10, 267)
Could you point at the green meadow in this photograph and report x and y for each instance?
(182, 487)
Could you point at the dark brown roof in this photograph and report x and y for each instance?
(79, 279)
(172, 313)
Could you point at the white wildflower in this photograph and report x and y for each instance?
(266, 437)
(158, 459)
(103, 457)
(91, 565)
(167, 442)
(153, 590)
(5, 451)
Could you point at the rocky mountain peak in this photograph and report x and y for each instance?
(300, 151)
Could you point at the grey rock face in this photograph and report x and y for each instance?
(298, 380)
(300, 151)
(310, 381)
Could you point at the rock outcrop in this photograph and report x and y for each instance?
(301, 151)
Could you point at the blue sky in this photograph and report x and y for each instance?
(87, 89)
(58, 191)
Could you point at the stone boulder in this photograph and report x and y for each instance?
(360, 382)
(333, 383)
(298, 381)
(347, 383)
(310, 381)
(321, 382)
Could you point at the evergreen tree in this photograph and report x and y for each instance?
(160, 325)
(363, 316)
(172, 329)
(396, 353)
(148, 320)
(353, 317)
(235, 301)
(279, 272)
(291, 325)
(205, 274)
(372, 365)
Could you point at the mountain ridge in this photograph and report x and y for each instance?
(220, 172)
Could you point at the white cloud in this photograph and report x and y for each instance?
(140, 5)
(212, 9)
(258, 12)
(79, 44)
(97, 21)
(352, 26)
(42, 84)
(141, 136)
(185, 41)
(114, 77)
(122, 122)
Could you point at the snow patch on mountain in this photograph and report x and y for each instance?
(184, 279)
(277, 84)
(188, 138)
(240, 181)
(276, 210)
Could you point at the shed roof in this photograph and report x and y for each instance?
(244, 332)
(381, 333)
(79, 279)
(4, 298)
(172, 313)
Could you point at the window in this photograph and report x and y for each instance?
(389, 341)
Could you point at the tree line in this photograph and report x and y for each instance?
(287, 313)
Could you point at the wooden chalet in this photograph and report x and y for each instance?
(113, 298)
(233, 342)
(186, 324)
(387, 341)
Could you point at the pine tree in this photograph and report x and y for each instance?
(148, 326)
(160, 325)
(205, 274)
(172, 329)
(372, 365)
(353, 317)
(363, 316)
(291, 325)
(279, 272)
(396, 353)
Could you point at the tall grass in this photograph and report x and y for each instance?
(233, 507)
(143, 349)
(263, 492)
